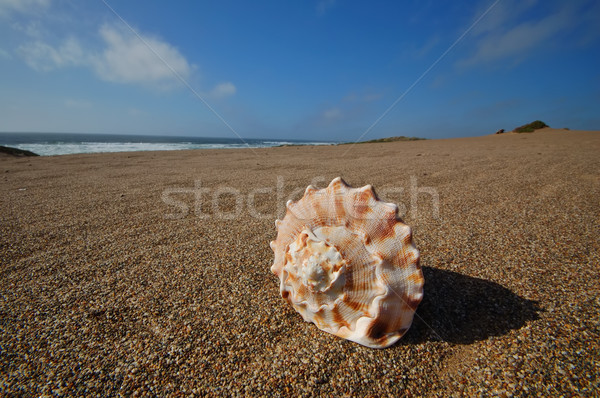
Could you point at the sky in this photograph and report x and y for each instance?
(328, 70)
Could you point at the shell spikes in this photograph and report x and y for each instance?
(347, 263)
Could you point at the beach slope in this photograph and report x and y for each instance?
(150, 272)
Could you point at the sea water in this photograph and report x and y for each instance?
(48, 144)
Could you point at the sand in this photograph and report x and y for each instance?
(148, 273)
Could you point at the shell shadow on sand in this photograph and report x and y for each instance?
(461, 309)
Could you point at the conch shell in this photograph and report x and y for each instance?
(347, 263)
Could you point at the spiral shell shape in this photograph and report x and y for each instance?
(347, 263)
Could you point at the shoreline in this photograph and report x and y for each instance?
(284, 144)
(49, 144)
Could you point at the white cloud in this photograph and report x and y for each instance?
(22, 6)
(43, 57)
(123, 58)
(223, 90)
(127, 59)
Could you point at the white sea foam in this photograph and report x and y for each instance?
(67, 148)
(98, 147)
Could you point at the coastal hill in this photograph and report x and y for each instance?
(527, 128)
(530, 127)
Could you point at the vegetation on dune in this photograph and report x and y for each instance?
(531, 127)
(16, 152)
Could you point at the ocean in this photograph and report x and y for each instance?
(49, 144)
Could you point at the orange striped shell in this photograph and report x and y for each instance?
(347, 263)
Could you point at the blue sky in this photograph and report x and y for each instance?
(325, 69)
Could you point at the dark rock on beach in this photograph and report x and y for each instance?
(6, 150)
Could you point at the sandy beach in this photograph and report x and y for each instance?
(148, 273)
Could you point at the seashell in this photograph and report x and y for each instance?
(347, 263)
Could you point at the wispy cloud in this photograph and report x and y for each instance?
(22, 6)
(44, 57)
(31, 29)
(223, 90)
(332, 114)
(516, 42)
(367, 97)
(343, 114)
(504, 14)
(78, 104)
(425, 49)
(135, 112)
(515, 29)
(323, 6)
(5, 54)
